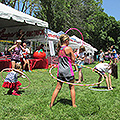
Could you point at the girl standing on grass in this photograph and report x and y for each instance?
(65, 71)
(15, 53)
(104, 68)
(25, 57)
(101, 56)
(74, 64)
(80, 61)
(11, 81)
(114, 54)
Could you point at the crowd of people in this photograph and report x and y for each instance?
(111, 54)
(19, 52)
(67, 57)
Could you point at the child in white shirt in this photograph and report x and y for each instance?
(80, 61)
(104, 68)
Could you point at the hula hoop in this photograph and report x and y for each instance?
(97, 89)
(77, 30)
(75, 84)
(55, 60)
(9, 69)
(39, 70)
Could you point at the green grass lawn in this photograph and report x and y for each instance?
(33, 104)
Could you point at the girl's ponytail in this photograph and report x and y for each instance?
(62, 38)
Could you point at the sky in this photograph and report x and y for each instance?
(112, 8)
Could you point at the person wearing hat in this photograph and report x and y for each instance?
(15, 52)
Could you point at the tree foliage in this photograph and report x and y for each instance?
(98, 29)
(26, 6)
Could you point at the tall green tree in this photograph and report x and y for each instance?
(26, 6)
(98, 29)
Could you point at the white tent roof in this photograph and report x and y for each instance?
(60, 33)
(80, 42)
(76, 42)
(73, 45)
(13, 17)
(52, 35)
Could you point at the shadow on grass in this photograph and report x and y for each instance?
(21, 91)
(78, 79)
(64, 101)
(101, 87)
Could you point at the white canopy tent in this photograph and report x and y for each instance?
(12, 20)
(52, 36)
(89, 48)
(73, 44)
(60, 32)
(76, 42)
(16, 18)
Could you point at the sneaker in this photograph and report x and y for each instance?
(30, 71)
(14, 93)
(23, 76)
(24, 71)
(75, 71)
(111, 88)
